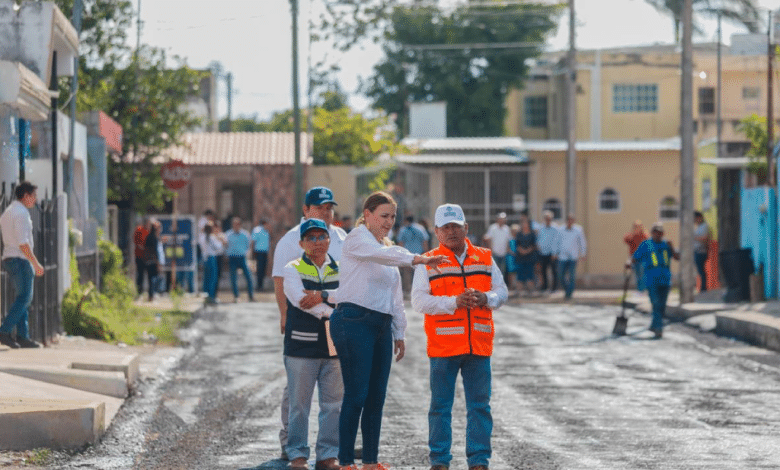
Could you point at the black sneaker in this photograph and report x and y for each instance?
(7, 340)
(28, 343)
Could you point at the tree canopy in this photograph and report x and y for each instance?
(744, 12)
(469, 57)
(142, 90)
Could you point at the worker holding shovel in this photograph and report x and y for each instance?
(655, 254)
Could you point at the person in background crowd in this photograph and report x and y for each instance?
(318, 204)
(368, 320)
(546, 239)
(459, 329)
(212, 246)
(656, 254)
(309, 356)
(236, 249)
(260, 246)
(426, 225)
(633, 239)
(526, 253)
(21, 265)
(152, 256)
(701, 243)
(497, 239)
(511, 258)
(139, 240)
(346, 223)
(415, 239)
(208, 216)
(570, 248)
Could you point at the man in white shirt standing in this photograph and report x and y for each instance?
(318, 204)
(21, 264)
(570, 247)
(497, 238)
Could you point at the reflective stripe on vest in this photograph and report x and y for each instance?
(654, 258)
(467, 331)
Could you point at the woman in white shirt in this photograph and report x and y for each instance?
(369, 317)
(211, 246)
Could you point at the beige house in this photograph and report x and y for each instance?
(634, 93)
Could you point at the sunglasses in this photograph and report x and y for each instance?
(316, 238)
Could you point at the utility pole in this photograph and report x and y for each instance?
(229, 79)
(134, 163)
(296, 109)
(687, 279)
(719, 122)
(74, 88)
(770, 119)
(571, 116)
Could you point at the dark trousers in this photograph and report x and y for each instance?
(547, 263)
(261, 261)
(658, 296)
(152, 272)
(364, 342)
(699, 259)
(140, 272)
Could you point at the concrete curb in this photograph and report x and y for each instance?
(28, 423)
(755, 328)
(129, 367)
(113, 384)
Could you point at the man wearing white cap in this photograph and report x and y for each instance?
(458, 304)
(497, 238)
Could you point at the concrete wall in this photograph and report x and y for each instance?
(759, 233)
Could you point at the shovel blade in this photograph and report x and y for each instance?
(620, 326)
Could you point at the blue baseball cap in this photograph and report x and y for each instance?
(318, 196)
(311, 224)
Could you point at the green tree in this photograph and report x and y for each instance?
(141, 91)
(744, 12)
(754, 128)
(469, 57)
(342, 137)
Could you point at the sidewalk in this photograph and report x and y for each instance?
(65, 395)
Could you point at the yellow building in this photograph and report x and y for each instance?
(633, 93)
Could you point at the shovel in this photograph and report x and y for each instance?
(621, 321)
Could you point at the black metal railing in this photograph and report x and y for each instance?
(45, 317)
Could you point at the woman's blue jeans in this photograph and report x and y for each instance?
(364, 342)
(475, 371)
(22, 276)
(567, 274)
(210, 276)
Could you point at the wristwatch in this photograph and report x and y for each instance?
(324, 295)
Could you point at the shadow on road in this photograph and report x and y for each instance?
(274, 464)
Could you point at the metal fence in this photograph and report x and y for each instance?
(87, 253)
(44, 315)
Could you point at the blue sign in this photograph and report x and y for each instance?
(181, 245)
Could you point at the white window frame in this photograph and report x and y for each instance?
(635, 98)
(602, 198)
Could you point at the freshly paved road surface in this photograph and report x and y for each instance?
(566, 395)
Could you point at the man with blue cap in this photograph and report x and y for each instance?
(318, 204)
(309, 355)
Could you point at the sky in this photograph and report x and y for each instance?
(252, 41)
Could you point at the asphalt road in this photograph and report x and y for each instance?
(566, 395)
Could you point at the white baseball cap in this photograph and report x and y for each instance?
(447, 213)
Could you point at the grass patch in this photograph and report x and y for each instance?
(139, 325)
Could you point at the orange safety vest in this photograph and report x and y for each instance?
(467, 331)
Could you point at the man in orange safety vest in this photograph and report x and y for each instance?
(458, 304)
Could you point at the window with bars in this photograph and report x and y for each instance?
(609, 200)
(635, 98)
(706, 100)
(535, 111)
(669, 209)
(554, 205)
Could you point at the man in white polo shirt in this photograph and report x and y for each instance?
(318, 204)
(20, 263)
(497, 239)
